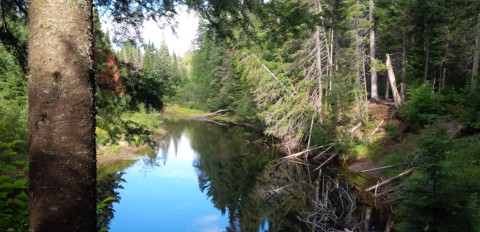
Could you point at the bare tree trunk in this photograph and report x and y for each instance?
(62, 194)
(387, 89)
(319, 70)
(444, 74)
(330, 60)
(404, 54)
(393, 85)
(427, 60)
(373, 81)
(476, 57)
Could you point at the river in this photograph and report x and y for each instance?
(208, 177)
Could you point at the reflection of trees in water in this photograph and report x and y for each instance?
(159, 156)
(107, 185)
(227, 166)
(292, 198)
(286, 196)
(236, 174)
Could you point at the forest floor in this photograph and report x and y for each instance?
(383, 135)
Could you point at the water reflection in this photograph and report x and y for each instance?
(206, 177)
(195, 180)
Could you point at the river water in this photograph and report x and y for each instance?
(208, 177)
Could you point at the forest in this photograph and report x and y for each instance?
(392, 82)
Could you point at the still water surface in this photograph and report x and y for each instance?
(207, 177)
(194, 180)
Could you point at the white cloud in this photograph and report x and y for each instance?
(181, 42)
(208, 223)
(186, 32)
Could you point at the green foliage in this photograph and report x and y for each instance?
(424, 106)
(391, 129)
(130, 86)
(469, 112)
(13, 169)
(444, 188)
(215, 81)
(107, 194)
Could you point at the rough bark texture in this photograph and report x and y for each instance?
(61, 116)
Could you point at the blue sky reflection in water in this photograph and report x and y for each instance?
(166, 196)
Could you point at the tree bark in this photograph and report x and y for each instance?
(373, 79)
(61, 120)
(476, 58)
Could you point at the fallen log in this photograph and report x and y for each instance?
(209, 115)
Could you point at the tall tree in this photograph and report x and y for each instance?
(373, 77)
(61, 116)
(476, 57)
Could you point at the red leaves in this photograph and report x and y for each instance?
(111, 76)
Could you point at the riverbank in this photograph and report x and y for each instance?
(127, 146)
(108, 154)
(182, 112)
(220, 117)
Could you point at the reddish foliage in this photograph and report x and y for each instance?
(111, 76)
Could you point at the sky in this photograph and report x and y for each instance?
(186, 31)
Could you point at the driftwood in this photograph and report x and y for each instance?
(209, 115)
(389, 180)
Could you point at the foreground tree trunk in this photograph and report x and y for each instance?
(61, 116)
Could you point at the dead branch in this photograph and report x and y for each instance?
(390, 180)
(304, 151)
(323, 152)
(326, 161)
(355, 127)
(376, 129)
(209, 115)
(375, 169)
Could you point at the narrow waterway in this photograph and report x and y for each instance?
(195, 179)
(208, 177)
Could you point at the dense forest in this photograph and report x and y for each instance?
(312, 73)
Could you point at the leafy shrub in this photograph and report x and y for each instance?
(470, 111)
(13, 168)
(445, 185)
(424, 105)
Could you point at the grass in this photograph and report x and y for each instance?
(182, 110)
(177, 111)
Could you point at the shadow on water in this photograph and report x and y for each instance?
(243, 179)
